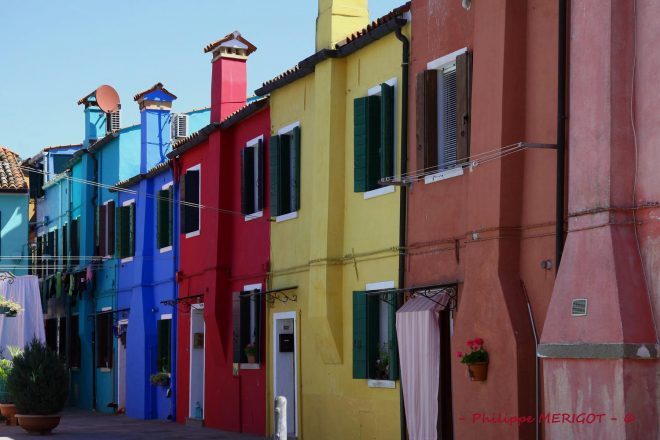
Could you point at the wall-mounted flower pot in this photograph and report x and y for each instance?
(478, 371)
(252, 359)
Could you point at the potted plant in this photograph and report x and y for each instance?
(39, 385)
(251, 353)
(476, 359)
(7, 407)
(383, 363)
(9, 308)
(160, 379)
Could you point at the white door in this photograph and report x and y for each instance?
(122, 328)
(197, 349)
(285, 366)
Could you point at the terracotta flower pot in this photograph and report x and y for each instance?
(252, 359)
(38, 424)
(478, 371)
(8, 411)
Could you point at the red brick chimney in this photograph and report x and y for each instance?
(229, 75)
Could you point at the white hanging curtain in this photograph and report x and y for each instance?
(29, 322)
(418, 334)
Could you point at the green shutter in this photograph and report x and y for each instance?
(373, 333)
(131, 228)
(119, 231)
(391, 339)
(182, 207)
(274, 175)
(162, 217)
(360, 145)
(285, 174)
(387, 122)
(170, 216)
(295, 169)
(247, 181)
(359, 335)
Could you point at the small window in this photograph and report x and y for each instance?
(51, 334)
(190, 201)
(165, 218)
(105, 229)
(375, 352)
(252, 176)
(443, 112)
(59, 163)
(246, 314)
(373, 132)
(126, 230)
(74, 360)
(285, 172)
(104, 352)
(164, 359)
(36, 180)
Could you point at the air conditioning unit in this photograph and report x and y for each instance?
(112, 122)
(179, 126)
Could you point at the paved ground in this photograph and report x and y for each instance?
(87, 425)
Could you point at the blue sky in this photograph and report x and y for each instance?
(52, 53)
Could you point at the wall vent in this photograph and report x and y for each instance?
(179, 126)
(112, 122)
(579, 307)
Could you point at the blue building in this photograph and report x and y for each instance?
(14, 214)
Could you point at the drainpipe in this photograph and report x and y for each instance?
(561, 132)
(95, 198)
(175, 315)
(403, 193)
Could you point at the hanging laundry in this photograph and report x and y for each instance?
(72, 284)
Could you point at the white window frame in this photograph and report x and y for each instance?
(286, 130)
(253, 143)
(253, 312)
(380, 383)
(130, 202)
(198, 231)
(446, 61)
(166, 248)
(376, 91)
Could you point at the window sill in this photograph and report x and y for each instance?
(443, 175)
(374, 383)
(254, 215)
(103, 369)
(165, 249)
(378, 192)
(127, 260)
(285, 217)
(250, 366)
(192, 234)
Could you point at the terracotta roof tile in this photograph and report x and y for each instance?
(157, 86)
(11, 175)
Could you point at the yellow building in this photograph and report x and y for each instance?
(336, 130)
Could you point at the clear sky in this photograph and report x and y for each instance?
(53, 53)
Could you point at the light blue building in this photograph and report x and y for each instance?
(14, 216)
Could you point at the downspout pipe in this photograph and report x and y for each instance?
(561, 132)
(95, 198)
(403, 191)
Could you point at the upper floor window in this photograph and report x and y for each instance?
(190, 198)
(105, 229)
(164, 217)
(285, 171)
(373, 131)
(247, 313)
(126, 230)
(443, 112)
(252, 179)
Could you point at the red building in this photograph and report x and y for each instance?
(481, 200)
(224, 253)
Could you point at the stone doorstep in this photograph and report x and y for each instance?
(197, 423)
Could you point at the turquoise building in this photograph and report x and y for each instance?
(14, 216)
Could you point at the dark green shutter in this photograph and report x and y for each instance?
(192, 197)
(170, 215)
(360, 148)
(366, 143)
(275, 167)
(285, 174)
(236, 326)
(386, 131)
(359, 335)
(120, 232)
(391, 337)
(162, 228)
(259, 151)
(103, 250)
(247, 181)
(463, 92)
(110, 215)
(373, 333)
(131, 228)
(182, 207)
(65, 244)
(295, 169)
(74, 251)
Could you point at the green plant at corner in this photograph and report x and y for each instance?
(38, 381)
(5, 369)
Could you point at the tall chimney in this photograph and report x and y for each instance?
(229, 74)
(95, 119)
(155, 106)
(339, 18)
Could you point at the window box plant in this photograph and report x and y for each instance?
(9, 308)
(160, 379)
(39, 384)
(250, 353)
(476, 359)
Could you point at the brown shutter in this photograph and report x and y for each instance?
(427, 119)
(463, 92)
(111, 227)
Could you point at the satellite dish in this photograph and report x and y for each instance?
(107, 99)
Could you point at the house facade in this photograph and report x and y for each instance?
(13, 214)
(337, 121)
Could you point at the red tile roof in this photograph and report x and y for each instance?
(11, 176)
(233, 36)
(157, 86)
